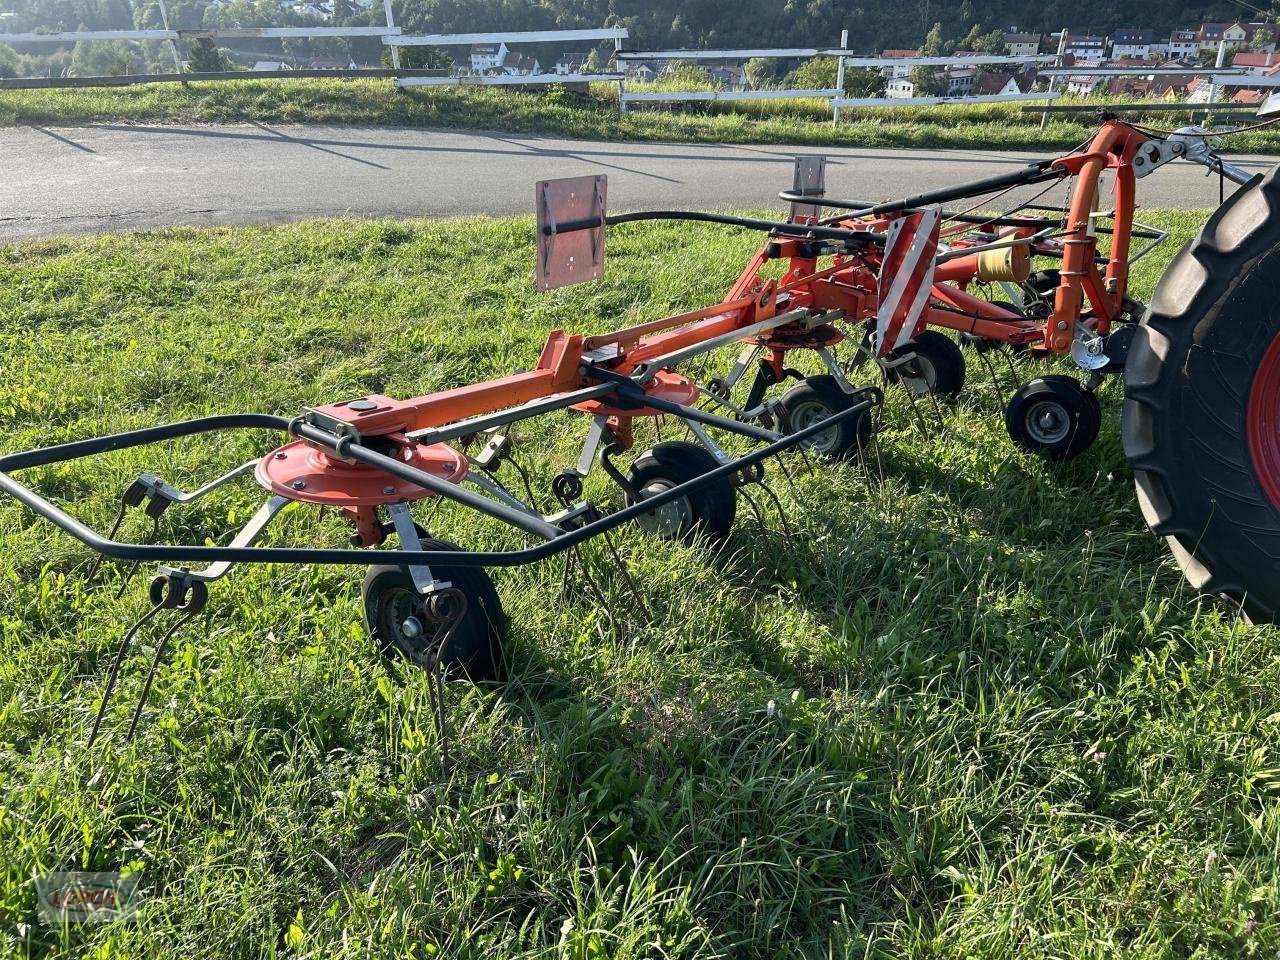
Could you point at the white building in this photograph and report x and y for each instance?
(1090, 48)
(1022, 44)
(960, 80)
(900, 88)
(1183, 43)
(488, 56)
(1131, 43)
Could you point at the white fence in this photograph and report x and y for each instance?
(503, 80)
(392, 38)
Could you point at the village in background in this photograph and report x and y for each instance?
(1177, 61)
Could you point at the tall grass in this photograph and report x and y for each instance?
(561, 113)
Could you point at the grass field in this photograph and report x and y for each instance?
(969, 711)
(379, 103)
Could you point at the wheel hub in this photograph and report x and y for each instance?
(1048, 423)
(668, 521)
(804, 415)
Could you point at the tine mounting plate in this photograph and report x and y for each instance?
(810, 180)
(567, 257)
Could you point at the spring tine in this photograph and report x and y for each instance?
(782, 514)
(791, 481)
(133, 567)
(151, 674)
(524, 479)
(626, 575)
(994, 379)
(755, 508)
(115, 528)
(115, 668)
(594, 588)
(435, 669)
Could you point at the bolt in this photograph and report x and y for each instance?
(281, 455)
(388, 490)
(411, 628)
(299, 484)
(1062, 324)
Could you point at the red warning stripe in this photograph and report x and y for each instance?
(906, 278)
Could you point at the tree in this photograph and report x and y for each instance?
(761, 72)
(816, 74)
(592, 63)
(205, 57)
(421, 58)
(864, 83)
(930, 82)
(101, 58)
(1262, 38)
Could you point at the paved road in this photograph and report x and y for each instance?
(115, 177)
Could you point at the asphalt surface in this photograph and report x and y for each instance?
(67, 180)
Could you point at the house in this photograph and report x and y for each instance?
(1087, 48)
(1249, 98)
(896, 70)
(268, 65)
(1084, 86)
(571, 63)
(1022, 44)
(640, 71)
(330, 63)
(1004, 84)
(1256, 64)
(1183, 43)
(488, 56)
(1131, 43)
(960, 80)
(730, 76)
(900, 88)
(517, 65)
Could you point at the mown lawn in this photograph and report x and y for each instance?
(968, 710)
(370, 102)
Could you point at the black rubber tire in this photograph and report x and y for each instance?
(707, 511)
(475, 649)
(1191, 366)
(1076, 415)
(939, 363)
(821, 396)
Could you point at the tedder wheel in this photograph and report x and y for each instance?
(816, 398)
(395, 614)
(1202, 404)
(938, 364)
(706, 511)
(1055, 416)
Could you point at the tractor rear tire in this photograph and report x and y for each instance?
(1201, 421)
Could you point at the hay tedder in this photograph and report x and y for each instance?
(1201, 420)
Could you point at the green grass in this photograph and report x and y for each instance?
(970, 711)
(379, 103)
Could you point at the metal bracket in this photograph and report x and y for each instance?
(407, 532)
(1155, 154)
(1088, 349)
(571, 228)
(809, 180)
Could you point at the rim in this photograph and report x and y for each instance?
(401, 621)
(806, 414)
(668, 521)
(1263, 422)
(1048, 422)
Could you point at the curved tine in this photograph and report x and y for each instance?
(115, 668)
(151, 674)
